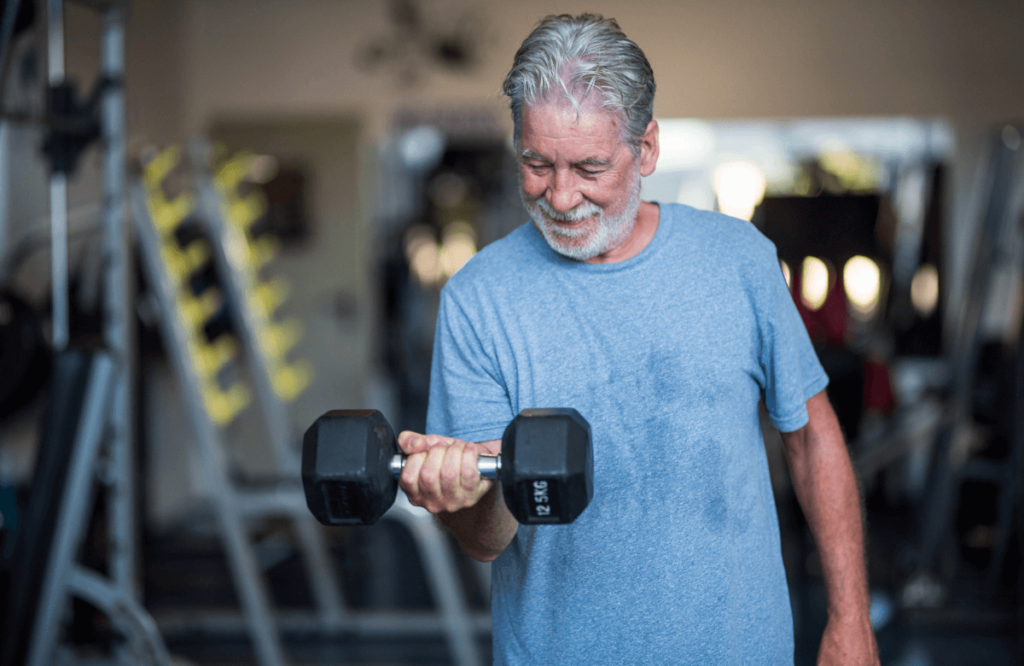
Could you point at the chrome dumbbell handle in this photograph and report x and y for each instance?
(488, 466)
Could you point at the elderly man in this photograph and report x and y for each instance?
(664, 326)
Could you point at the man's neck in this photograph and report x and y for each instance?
(646, 226)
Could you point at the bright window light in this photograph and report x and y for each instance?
(924, 289)
(684, 144)
(740, 187)
(786, 274)
(862, 280)
(458, 246)
(814, 283)
(426, 264)
(422, 254)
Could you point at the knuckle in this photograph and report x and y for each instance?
(449, 474)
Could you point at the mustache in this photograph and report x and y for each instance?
(580, 212)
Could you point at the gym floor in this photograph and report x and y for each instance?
(186, 575)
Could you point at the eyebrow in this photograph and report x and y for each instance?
(530, 155)
(589, 161)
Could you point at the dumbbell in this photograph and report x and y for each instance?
(351, 463)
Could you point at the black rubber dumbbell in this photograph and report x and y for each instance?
(351, 463)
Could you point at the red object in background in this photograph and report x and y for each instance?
(827, 325)
(878, 396)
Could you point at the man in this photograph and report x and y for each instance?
(664, 326)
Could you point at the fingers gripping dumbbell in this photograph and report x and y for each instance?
(351, 463)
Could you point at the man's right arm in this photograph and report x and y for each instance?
(441, 475)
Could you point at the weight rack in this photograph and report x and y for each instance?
(226, 218)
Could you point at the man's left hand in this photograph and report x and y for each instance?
(848, 643)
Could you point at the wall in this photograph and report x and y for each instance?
(742, 59)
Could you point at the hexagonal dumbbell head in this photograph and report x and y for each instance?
(547, 466)
(345, 467)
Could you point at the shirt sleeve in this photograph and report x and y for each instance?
(468, 397)
(793, 374)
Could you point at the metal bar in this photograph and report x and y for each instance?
(6, 39)
(953, 450)
(55, 41)
(1010, 494)
(282, 499)
(316, 558)
(245, 571)
(58, 187)
(488, 466)
(131, 618)
(225, 236)
(116, 304)
(74, 511)
(5, 198)
(443, 579)
(59, 259)
(366, 623)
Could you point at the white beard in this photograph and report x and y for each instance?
(591, 239)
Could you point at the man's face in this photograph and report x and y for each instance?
(580, 182)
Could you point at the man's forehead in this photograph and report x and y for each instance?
(561, 121)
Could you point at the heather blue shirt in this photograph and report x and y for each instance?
(677, 558)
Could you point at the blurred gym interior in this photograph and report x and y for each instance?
(220, 219)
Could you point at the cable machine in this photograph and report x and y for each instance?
(87, 442)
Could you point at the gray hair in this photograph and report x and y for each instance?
(578, 55)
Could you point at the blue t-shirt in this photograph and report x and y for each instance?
(677, 559)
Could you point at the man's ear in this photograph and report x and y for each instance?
(649, 149)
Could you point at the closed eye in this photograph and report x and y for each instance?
(592, 166)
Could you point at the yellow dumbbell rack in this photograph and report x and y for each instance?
(208, 358)
(198, 364)
(228, 217)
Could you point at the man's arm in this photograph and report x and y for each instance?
(440, 474)
(827, 491)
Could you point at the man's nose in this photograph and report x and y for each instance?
(563, 195)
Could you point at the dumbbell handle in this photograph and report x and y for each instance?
(488, 466)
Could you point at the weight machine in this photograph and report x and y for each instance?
(1002, 219)
(87, 444)
(88, 434)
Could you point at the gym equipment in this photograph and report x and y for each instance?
(24, 355)
(47, 573)
(198, 363)
(88, 435)
(957, 461)
(170, 269)
(351, 463)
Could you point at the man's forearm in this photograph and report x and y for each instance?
(485, 529)
(826, 488)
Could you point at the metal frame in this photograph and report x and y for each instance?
(457, 621)
(105, 430)
(1003, 198)
(4, 195)
(64, 577)
(316, 555)
(117, 313)
(244, 568)
(235, 505)
(58, 187)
